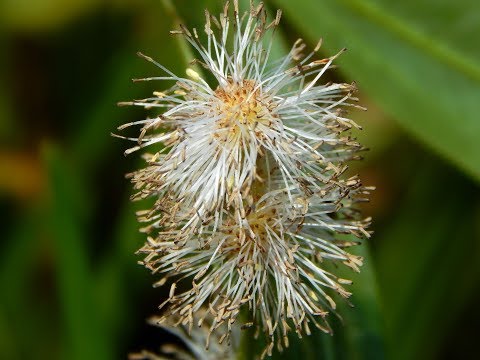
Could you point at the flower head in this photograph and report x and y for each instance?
(267, 260)
(250, 183)
(213, 135)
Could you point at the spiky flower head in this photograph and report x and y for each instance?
(250, 182)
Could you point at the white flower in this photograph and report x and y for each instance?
(213, 135)
(249, 183)
(272, 261)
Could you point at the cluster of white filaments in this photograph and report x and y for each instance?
(249, 182)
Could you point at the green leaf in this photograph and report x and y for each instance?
(427, 259)
(427, 19)
(85, 338)
(8, 127)
(18, 330)
(42, 15)
(120, 275)
(427, 81)
(91, 142)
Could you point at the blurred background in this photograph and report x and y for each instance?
(70, 285)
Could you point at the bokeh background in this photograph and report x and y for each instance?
(70, 287)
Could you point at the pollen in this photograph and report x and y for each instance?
(242, 106)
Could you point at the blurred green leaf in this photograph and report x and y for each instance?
(7, 339)
(16, 267)
(428, 256)
(428, 84)
(35, 15)
(428, 18)
(92, 141)
(7, 123)
(114, 277)
(85, 338)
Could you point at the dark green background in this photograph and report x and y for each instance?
(70, 285)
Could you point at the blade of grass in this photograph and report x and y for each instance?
(430, 242)
(8, 127)
(16, 265)
(92, 141)
(85, 338)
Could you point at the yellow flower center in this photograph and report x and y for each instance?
(242, 107)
